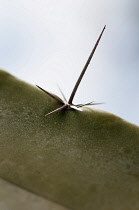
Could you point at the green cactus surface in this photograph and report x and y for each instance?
(83, 160)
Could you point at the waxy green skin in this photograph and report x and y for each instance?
(82, 160)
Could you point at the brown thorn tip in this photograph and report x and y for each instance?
(85, 67)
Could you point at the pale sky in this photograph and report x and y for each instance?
(47, 42)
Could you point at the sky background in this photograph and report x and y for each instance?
(47, 42)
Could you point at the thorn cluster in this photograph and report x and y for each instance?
(68, 104)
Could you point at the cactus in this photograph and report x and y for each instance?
(82, 160)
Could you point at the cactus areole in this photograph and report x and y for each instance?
(68, 104)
